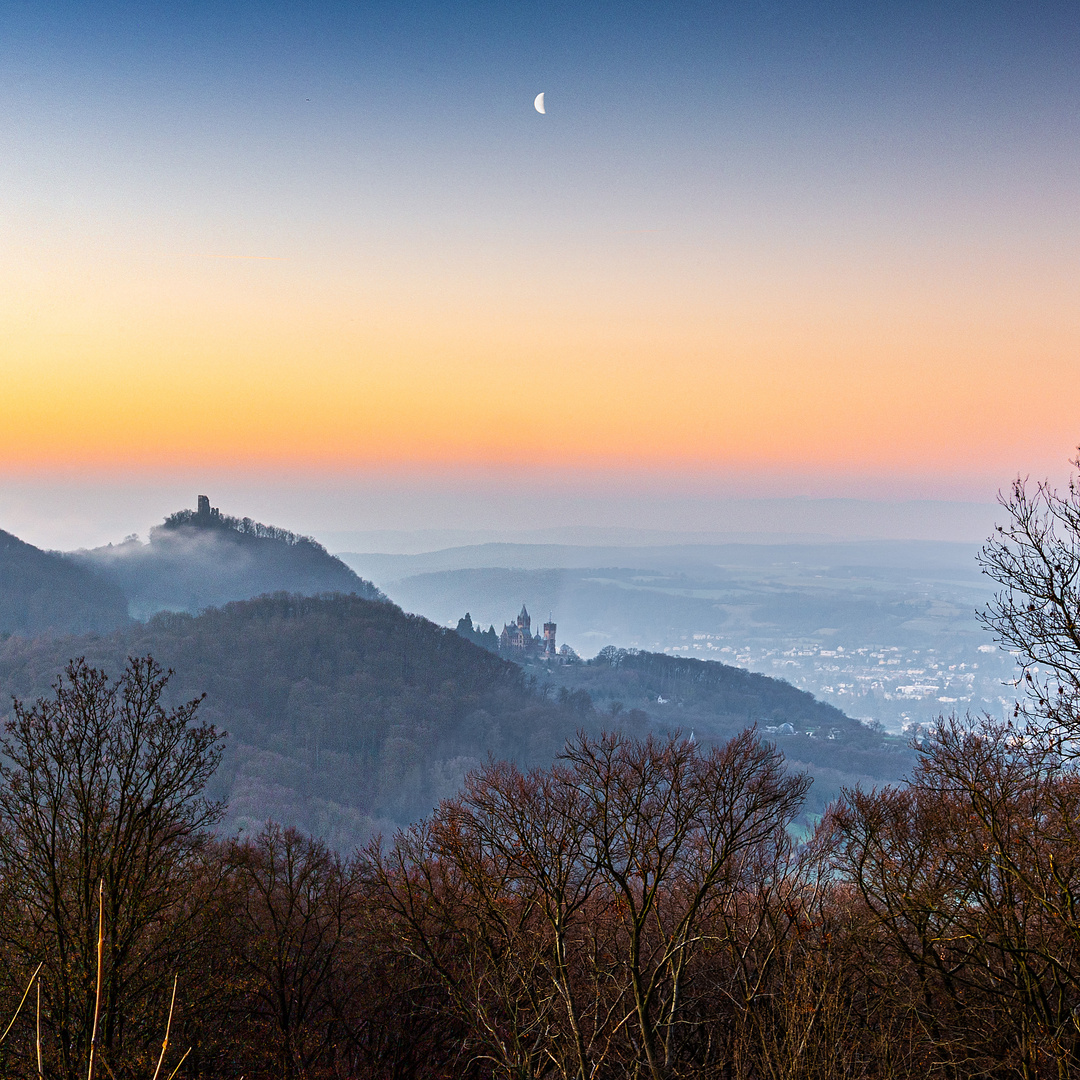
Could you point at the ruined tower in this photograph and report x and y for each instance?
(206, 513)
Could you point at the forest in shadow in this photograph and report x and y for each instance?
(347, 717)
(639, 908)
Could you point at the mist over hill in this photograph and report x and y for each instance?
(202, 558)
(46, 592)
(347, 716)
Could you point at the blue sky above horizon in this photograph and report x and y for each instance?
(798, 248)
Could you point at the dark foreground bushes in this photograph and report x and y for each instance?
(639, 909)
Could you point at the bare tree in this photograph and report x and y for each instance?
(972, 878)
(102, 785)
(460, 910)
(563, 909)
(293, 906)
(1035, 559)
(675, 832)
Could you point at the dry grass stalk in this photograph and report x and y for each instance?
(40, 1069)
(22, 1001)
(97, 998)
(97, 1011)
(168, 1028)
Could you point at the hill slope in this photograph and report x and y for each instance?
(44, 591)
(344, 715)
(715, 701)
(200, 559)
(347, 716)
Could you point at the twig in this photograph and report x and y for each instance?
(179, 1063)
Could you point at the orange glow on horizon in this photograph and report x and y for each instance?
(239, 366)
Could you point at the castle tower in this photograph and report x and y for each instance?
(549, 638)
(204, 506)
(524, 622)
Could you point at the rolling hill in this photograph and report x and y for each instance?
(346, 716)
(44, 592)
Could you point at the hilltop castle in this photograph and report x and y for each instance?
(517, 637)
(517, 641)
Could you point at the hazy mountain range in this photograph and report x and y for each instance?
(345, 714)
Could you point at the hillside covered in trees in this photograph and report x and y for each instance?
(346, 716)
(44, 592)
(716, 701)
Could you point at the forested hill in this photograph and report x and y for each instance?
(45, 592)
(715, 701)
(719, 695)
(346, 715)
(201, 559)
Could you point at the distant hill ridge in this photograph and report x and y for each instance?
(47, 592)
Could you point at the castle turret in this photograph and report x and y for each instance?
(524, 622)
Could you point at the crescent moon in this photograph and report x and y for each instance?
(538, 102)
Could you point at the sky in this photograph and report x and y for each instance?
(330, 251)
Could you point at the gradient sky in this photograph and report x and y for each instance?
(793, 248)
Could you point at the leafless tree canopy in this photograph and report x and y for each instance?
(101, 784)
(1035, 559)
